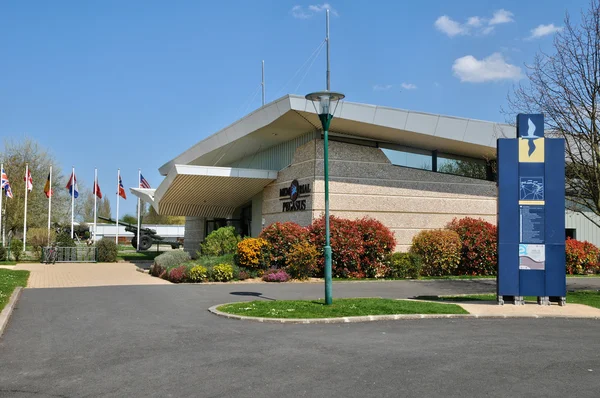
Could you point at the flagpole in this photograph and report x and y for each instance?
(117, 221)
(49, 203)
(139, 212)
(25, 215)
(72, 199)
(1, 197)
(95, 206)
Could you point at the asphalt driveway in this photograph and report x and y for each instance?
(140, 341)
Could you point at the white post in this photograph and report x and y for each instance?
(95, 206)
(25, 215)
(72, 200)
(49, 204)
(117, 221)
(1, 197)
(139, 212)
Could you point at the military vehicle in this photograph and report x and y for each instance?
(148, 238)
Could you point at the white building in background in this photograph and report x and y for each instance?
(105, 230)
(389, 164)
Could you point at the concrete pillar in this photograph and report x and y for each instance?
(194, 234)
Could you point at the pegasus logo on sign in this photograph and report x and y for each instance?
(293, 192)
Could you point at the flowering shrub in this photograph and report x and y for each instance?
(198, 273)
(222, 273)
(281, 237)
(178, 274)
(276, 275)
(253, 253)
(301, 261)
(359, 247)
(243, 275)
(582, 257)
(440, 250)
(479, 252)
(404, 265)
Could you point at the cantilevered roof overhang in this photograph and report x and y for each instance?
(206, 191)
(292, 116)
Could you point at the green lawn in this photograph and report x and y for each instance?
(137, 256)
(586, 297)
(10, 279)
(339, 308)
(8, 263)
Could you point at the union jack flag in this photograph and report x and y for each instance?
(144, 183)
(4, 185)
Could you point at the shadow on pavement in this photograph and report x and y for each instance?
(252, 294)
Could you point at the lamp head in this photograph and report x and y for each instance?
(325, 102)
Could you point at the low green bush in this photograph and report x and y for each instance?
(404, 265)
(220, 242)
(168, 260)
(2, 253)
(440, 250)
(63, 239)
(211, 261)
(222, 273)
(198, 273)
(16, 249)
(107, 251)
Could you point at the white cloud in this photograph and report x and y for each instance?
(473, 25)
(302, 13)
(544, 30)
(493, 68)
(475, 22)
(408, 86)
(450, 27)
(382, 87)
(502, 16)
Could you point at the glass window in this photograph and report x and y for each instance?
(408, 159)
(473, 168)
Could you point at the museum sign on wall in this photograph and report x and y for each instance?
(293, 196)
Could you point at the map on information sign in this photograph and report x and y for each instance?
(531, 188)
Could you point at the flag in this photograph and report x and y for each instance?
(143, 182)
(47, 189)
(28, 181)
(97, 190)
(4, 185)
(121, 189)
(72, 184)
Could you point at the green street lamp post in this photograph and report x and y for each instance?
(325, 103)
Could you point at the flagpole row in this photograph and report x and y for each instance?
(139, 211)
(1, 197)
(95, 202)
(73, 182)
(117, 221)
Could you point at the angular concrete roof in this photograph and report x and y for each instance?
(292, 116)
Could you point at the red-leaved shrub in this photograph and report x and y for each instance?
(358, 247)
(178, 274)
(582, 257)
(479, 252)
(440, 251)
(281, 237)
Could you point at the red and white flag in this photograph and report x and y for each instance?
(28, 181)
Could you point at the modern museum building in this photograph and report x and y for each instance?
(410, 170)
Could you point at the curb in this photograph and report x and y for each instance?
(7, 311)
(373, 318)
(143, 271)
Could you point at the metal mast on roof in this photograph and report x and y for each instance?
(327, 40)
(263, 83)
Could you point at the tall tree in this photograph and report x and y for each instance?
(104, 209)
(565, 87)
(15, 155)
(154, 218)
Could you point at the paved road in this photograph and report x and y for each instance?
(142, 341)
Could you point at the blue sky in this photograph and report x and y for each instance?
(131, 84)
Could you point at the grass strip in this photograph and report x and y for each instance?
(9, 280)
(340, 308)
(585, 297)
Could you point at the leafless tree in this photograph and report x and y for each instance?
(565, 87)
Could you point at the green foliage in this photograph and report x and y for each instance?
(10, 279)
(107, 251)
(404, 265)
(211, 261)
(38, 238)
(168, 260)
(2, 253)
(222, 273)
(301, 261)
(16, 249)
(440, 250)
(63, 239)
(221, 241)
(198, 273)
(128, 218)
